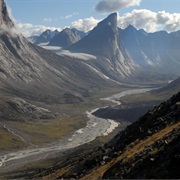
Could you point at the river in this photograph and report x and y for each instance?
(95, 127)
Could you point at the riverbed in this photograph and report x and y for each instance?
(95, 127)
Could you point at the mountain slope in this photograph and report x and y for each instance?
(157, 52)
(46, 36)
(66, 38)
(32, 39)
(103, 42)
(35, 74)
(4, 16)
(149, 148)
(169, 89)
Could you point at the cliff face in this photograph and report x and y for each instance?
(149, 148)
(4, 15)
(103, 41)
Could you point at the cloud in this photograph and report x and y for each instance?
(150, 21)
(85, 24)
(69, 16)
(141, 19)
(115, 5)
(13, 31)
(47, 19)
(28, 29)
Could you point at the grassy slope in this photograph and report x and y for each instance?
(134, 148)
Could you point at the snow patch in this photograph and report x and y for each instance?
(51, 48)
(82, 56)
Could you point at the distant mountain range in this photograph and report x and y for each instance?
(46, 36)
(31, 72)
(156, 51)
(66, 37)
(127, 48)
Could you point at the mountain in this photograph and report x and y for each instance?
(103, 42)
(32, 39)
(170, 89)
(4, 16)
(132, 52)
(31, 73)
(146, 149)
(156, 52)
(46, 36)
(66, 37)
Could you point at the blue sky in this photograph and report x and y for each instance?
(34, 16)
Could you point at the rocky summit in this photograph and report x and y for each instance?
(66, 37)
(4, 15)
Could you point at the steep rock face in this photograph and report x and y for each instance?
(27, 67)
(103, 41)
(18, 59)
(66, 38)
(157, 51)
(46, 36)
(32, 73)
(4, 15)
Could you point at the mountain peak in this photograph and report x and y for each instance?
(102, 40)
(4, 15)
(66, 38)
(111, 20)
(131, 28)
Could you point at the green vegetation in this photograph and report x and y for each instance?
(9, 141)
(47, 131)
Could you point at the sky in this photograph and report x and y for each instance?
(35, 16)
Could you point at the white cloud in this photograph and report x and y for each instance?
(85, 24)
(115, 5)
(69, 16)
(47, 19)
(150, 21)
(28, 29)
(141, 19)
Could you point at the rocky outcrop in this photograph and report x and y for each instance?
(4, 15)
(19, 109)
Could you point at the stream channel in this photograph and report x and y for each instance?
(95, 127)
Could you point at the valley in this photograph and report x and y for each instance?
(94, 104)
(95, 127)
